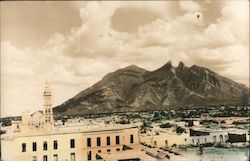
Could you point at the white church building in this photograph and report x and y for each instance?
(38, 122)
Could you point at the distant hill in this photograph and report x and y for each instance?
(133, 88)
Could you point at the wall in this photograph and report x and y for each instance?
(12, 149)
(164, 139)
(209, 138)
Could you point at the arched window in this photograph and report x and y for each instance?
(221, 138)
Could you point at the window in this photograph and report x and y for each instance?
(55, 157)
(98, 141)
(72, 157)
(214, 138)
(155, 143)
(17, 126)
(117, 140)
(89, 142)
(99, 151)
(166, 143)
(108, 140)
(89, 155)
(55, 144)
(34, 158)
(221, 138)
(23, 147)
(34, 146)
(45, 158)
(72, 143)
(45, 145)
(108, 150)
(131, 138)
(118, 149)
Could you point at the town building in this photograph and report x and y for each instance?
(165, 139)
(72, 145)
(205, 136)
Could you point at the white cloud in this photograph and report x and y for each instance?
(76, 61)
(189, 6)
(236, 15)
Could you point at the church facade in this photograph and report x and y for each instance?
(40, 121)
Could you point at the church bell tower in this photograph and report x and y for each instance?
(47, 109)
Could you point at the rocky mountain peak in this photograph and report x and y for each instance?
(167, 66)
(181, 65)
(133, 67)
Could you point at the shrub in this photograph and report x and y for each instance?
(180, 130)
(166, 125)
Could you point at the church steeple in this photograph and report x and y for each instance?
(47, 108)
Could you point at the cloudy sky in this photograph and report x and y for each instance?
(74, 44)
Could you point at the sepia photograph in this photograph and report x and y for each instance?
(125, 80)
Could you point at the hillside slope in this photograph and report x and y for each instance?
(134, 88)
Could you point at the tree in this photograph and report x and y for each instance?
(180, 130)
(145, 126)
(166, 125)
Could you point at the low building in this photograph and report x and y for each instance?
(164, 139)
(204, 136)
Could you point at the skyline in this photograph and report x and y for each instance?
(74, 44)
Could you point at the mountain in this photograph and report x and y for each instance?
(133, 88)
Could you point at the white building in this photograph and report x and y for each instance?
(72, 145)
(165, 139)
(204, 136)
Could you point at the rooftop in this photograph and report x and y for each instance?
(68, 129)
(219, 130)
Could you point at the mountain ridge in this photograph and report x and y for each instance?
(134, 88)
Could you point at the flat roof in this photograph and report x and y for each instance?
(219, 130)
(70, 130)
